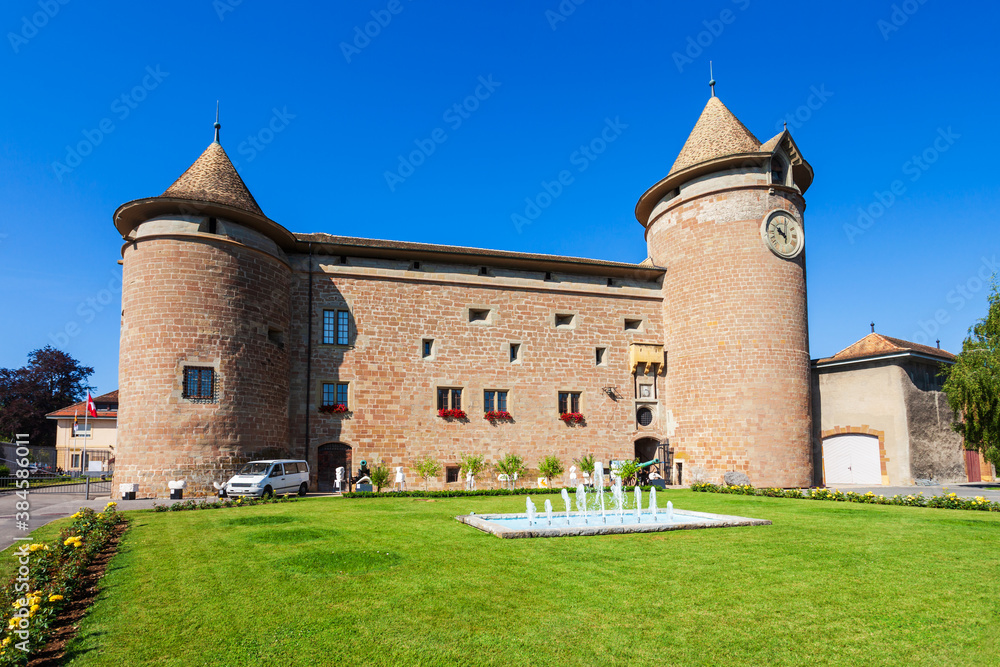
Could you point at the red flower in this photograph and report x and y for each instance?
(494, 415)
(451, 414)
(335, 409)
(572, 417)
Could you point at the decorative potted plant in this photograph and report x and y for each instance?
(510, 466)
(451, 414)
(428, 467)
(494, 416)
(572, 417)
(550, 467)
(335, 409)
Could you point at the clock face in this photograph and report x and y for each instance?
(783, 234)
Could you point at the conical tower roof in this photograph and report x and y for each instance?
(213, 178)
(718, 133)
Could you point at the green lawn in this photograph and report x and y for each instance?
(389, 582)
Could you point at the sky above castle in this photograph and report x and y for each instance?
(451, 122)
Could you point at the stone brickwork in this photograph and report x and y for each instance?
(393, 410)
(198, 300)
(736, 333)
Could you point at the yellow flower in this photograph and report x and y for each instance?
(33, 608)
(5, 642)
(55, 598)
(75, 516)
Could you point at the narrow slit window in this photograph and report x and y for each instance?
(515, 352)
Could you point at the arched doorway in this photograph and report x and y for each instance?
(329, 457)
(648, 449)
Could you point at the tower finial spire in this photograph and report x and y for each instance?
(711, 78)
(218, 126)
(872, 325)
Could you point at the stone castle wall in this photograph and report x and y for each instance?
(393, 389)
(193, 299)
(736, 332)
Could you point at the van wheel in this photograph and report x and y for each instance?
(303, 490)
(268, 492)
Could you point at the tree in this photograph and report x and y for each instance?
(51, 380)
(380, 474)
(510, 465)
(427, 467)
(474, 463)
(586, 463)
(550, 467)
(972, 384)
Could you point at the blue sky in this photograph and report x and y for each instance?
(314, 126)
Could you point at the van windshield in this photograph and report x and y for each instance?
(256, 468)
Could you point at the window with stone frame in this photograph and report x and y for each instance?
(569, 401)
(494, 400)
(449, 398)
(199, 384)
(335, 393)
(336, 327)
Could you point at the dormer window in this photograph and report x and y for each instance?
(778, 170)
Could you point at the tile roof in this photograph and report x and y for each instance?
(212, 178)
(81, 407)
(718, 133)
(876, 345)
(355, 242)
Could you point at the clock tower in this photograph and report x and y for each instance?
(727, 223)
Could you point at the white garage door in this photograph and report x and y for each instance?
(852, 459)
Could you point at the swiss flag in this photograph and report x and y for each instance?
(91, 409)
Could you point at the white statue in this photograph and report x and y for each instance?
(572, 477)
(470, 482)
(400, 483)
(338, 485)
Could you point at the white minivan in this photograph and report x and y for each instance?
(267, 478)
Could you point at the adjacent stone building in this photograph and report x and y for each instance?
(881, 418)
(243, 340)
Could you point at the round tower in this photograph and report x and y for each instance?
(204, 365)
(727, 224)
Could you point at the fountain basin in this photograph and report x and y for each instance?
(516, 525)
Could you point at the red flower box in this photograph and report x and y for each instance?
(495, 415)
(572, 417)
(452, 414)
(336, 409)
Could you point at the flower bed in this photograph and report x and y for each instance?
(337, 409)
(949, 501)
(242, 501)
(497, 415)
(51, 576)
(572, 417)
(451, 414)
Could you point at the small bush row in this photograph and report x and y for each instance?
(949, 501)
(49, 576)
(242, 501)
(462, 494)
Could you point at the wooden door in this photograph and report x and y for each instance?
(972, 466)
(329, 458)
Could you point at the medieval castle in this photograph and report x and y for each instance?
(241, 339)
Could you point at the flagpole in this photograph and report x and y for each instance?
(86, 414)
